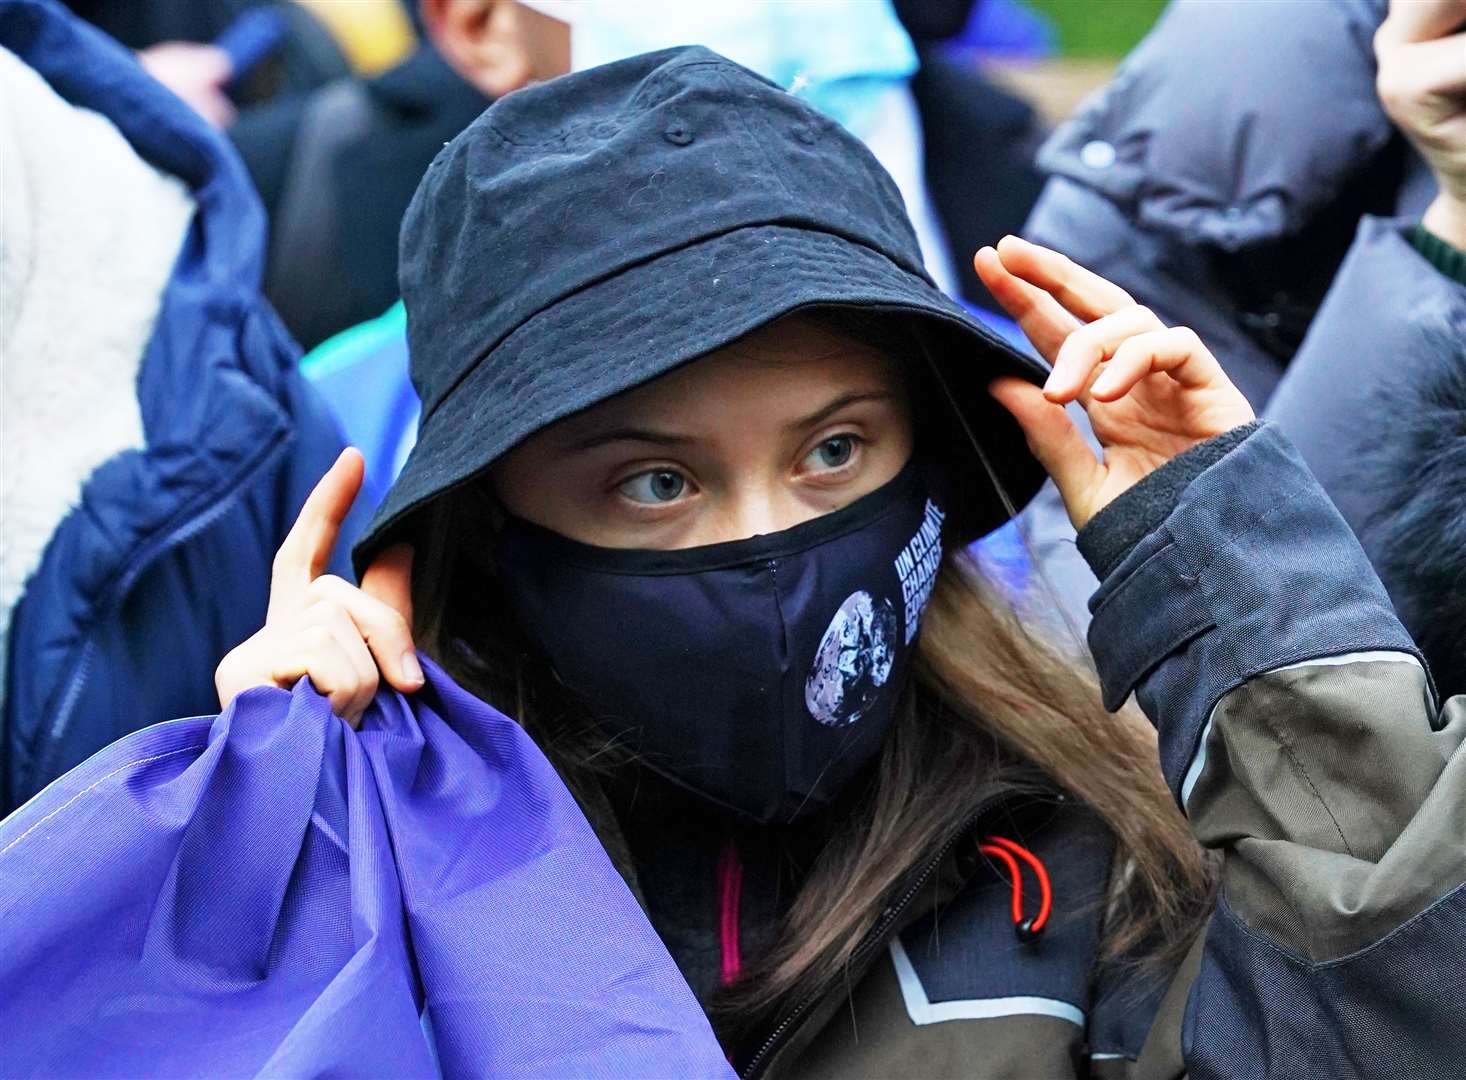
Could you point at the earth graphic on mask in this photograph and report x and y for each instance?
(853, 661)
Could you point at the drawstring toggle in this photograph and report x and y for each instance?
(1025, 928)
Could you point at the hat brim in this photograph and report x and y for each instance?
(655, 316)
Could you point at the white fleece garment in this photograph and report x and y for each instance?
(89, 233)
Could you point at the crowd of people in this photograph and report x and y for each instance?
(692, 539)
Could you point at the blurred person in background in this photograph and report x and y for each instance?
(175, 40)
(1310, 226)
(334, 138)
(157, 436)
(336, 168)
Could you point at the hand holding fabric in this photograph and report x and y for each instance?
(321, 625)
(268, 893)
(1151, 391)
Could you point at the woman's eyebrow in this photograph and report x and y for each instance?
(628, 434)
(841, 402)
(669, 438)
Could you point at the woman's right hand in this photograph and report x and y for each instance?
(320, 625)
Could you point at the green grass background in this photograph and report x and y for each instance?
(1108, 28)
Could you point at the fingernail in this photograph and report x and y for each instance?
(411, 669)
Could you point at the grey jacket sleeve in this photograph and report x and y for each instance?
(1298, 730)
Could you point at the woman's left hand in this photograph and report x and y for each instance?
(1151, 391)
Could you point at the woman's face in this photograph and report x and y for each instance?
(794, 421)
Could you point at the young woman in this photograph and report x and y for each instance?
(700, 452)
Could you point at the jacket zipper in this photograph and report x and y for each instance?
(81, 673)
(874, 938)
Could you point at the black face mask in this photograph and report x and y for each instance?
(762, 674)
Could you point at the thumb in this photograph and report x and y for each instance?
(1056, 442)
(389, 579)
(214, 65)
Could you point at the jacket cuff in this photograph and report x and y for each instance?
(1252, 570)
(1113, 532)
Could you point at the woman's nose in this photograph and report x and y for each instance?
(763, 510)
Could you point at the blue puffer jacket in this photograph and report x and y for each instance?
(165, 563)
(1240, 177)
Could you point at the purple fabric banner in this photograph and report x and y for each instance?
(270, 893)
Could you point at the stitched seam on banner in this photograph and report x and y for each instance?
(92, 787)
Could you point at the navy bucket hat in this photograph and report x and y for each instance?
(591, 233)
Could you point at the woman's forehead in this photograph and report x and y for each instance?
(791, 367)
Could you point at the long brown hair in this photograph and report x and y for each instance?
(989, 707)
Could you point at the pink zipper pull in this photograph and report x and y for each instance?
(730, 897)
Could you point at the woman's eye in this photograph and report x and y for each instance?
(659, 486)
(833, 452)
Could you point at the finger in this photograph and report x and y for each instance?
(383, 632)
(216, 108)
(350, 700)
(215, 65)
(1436, 68)
(1083, 294)
(1177, 351)
(1091, 345)
(1037, 314)
(1055, 441)
(307, 547)
(292, 660)
(316, 652)
(1421, 20)
(241, 666)
(389, 579)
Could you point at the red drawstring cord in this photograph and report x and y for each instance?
(730, 897)
(1000, 847)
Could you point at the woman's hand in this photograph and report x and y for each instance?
(1151, 391)
(322, 626)
(1421, 51)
